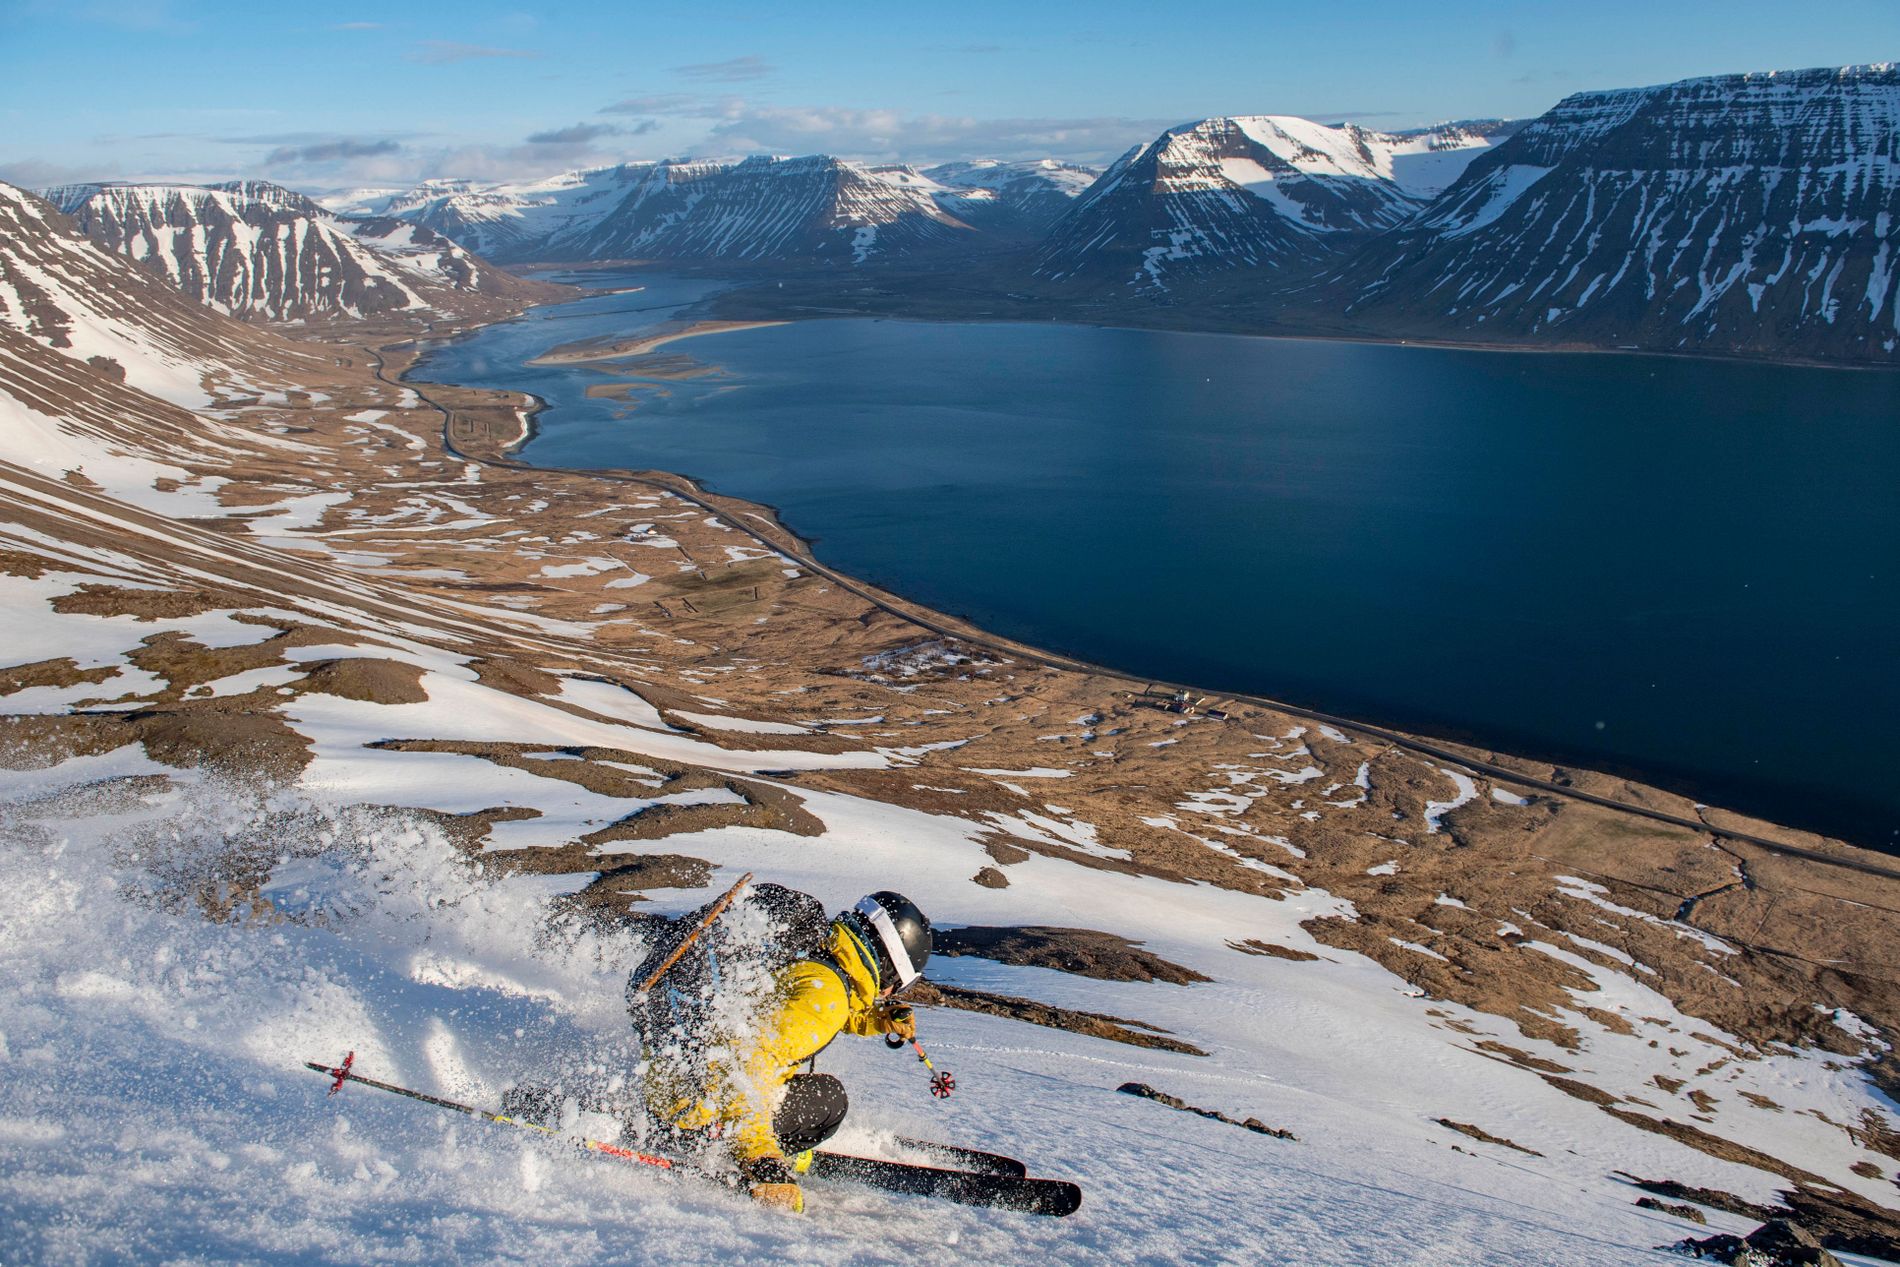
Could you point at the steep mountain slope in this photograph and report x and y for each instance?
(59, 294)
(256, 250)
(759, 210)
(317, 735)
(1250, 192)
(1026, 196)
(1756, 212)
(512, 221)
(763, 209)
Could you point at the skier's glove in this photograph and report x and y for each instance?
(901, 1022)
(788, 1197)
(772, 1183)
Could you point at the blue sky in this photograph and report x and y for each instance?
(340, 94)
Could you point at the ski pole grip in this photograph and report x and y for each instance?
(893, 1042)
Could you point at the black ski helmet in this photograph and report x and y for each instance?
(897, 933)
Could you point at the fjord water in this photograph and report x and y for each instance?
(1684, 570)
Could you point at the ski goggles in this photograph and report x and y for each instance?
(880, 920)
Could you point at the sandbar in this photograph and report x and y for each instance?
(614, 348)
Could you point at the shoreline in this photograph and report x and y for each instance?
(1422, 736)
(1688, 785)
(754, 288)
(1367, 340)
(588, 351)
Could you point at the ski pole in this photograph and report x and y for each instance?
(941, 1083)
(718, 908)
(342, 1074)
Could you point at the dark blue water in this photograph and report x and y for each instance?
(1684, 570)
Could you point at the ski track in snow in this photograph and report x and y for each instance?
(152, 1104)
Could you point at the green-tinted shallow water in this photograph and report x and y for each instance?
(1685, 570)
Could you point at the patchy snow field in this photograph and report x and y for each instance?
(153, 1107)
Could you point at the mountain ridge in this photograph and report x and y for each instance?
(1752, 211)
(257, 250)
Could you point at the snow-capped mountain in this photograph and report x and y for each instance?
(1753, 211)
(1030, 195)
(1249, 192)
(761, 209)
(513, 221)
(65, 295)
(772, 209)
(257, 250)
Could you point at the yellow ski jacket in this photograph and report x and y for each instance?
(811, 1004)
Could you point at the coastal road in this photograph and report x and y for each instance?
(943, 626)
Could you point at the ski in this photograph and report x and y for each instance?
(956, 1157)
(996, 1181)
(1052, 1197)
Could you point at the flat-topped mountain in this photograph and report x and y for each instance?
(816, 207)
(1751, 212)
(256, 250)
(1250, 192)
(762, 209)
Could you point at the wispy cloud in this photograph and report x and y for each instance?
(1504, 43)
(686, 103)
(890, 135)
(445, 52)
(329, 151)
(577, 134)
(732, 71)
(36, 173)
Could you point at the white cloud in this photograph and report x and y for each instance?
(34, 173)
(576, 134)
(891, 135)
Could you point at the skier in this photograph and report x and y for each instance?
(713, 1074)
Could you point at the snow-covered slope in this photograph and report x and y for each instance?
(1756, 212)
(62, 293)
(1250, 192)
(253, 249)
(513, 221)
(772, 209)
(760, 209)
(1026, 196)
(317, 737)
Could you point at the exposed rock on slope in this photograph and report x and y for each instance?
(116, 327)
(774, 209)
(1756, 213)
(575, 672)
(256, 250)
(1250, 192)
(1025, 197)
(759, 210)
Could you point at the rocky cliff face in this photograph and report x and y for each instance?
(1754, 212)
(516, 221)
(81, 310)
(1260, 191)
(1022, 197)
(764, 209)
(255, 250)
(759, 210)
